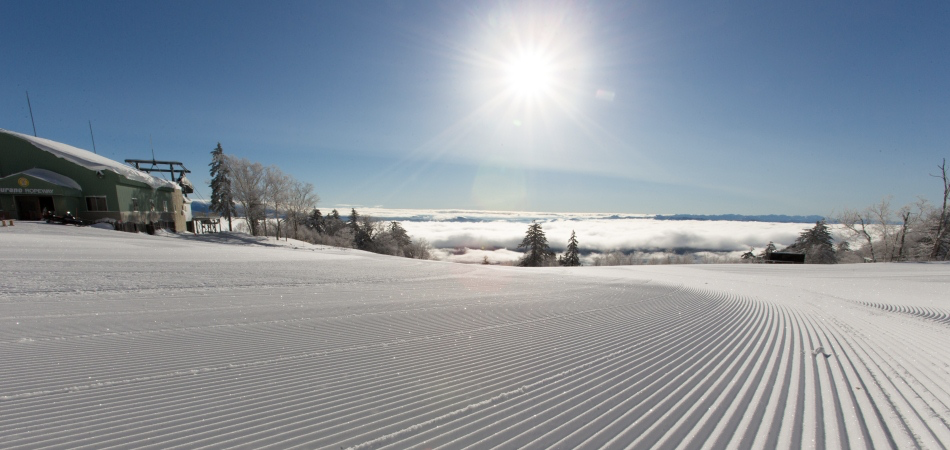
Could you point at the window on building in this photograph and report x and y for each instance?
(151, 204)
(135, 204)
(165, 205)
(97, 203)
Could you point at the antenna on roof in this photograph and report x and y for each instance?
(153, 148)
(31, 112)
(93, 138)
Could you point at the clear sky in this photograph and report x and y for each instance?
(748, 107)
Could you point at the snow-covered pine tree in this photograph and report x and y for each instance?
(354, 219)
(767, 253)
(537, 252)
(222, 199)
(571, 258)
(315, 221)
(332, 223)
(362, 232)
(749, 255)
(817, 244)
(403, 242)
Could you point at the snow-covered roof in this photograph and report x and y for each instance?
(92, 161)
(52, 177)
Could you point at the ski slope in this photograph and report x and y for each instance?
(117, 340)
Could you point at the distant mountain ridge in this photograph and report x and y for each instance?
(495, 216)
(777, 218)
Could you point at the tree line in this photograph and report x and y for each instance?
(276, 204)
(537, 252)
(916, 232)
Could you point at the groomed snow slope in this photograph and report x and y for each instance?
(111, 339)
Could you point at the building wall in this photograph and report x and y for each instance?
(146, 205)
(17, 155)
(178, 200)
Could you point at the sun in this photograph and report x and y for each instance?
(529, 74)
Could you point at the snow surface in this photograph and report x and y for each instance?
(112, 339)
(92, 161)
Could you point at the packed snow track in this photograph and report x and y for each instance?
(111, 339)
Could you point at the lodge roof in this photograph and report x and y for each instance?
(91, 161)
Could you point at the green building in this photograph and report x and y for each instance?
(38, 174)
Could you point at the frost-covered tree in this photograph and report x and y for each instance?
(859, 223)
(222, 200)
(817, 244)
(908, 223)
(401, 238)
(749, 255)
(333, 223)
(277, 187)
(354, 221)
(300, 198)
(940, 223)
(315, 221)
(767, 253)
(363, 230)
(420, 249)
(571, 257)
(247, 187)
(537, 252)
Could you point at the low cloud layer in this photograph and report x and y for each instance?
(596, 232)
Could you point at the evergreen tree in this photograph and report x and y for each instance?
(315, 221)
(537, 253)
(403, 242)
(817, 244)
(362, 237)
(354, 222)
(767, 253)
(843, 247)
(332, 223)
(571, 258)
(222, 199)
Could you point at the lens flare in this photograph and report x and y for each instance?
(529, 74)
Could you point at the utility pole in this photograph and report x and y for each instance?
(93, 138)
(31, 112)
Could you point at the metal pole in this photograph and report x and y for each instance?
(31, 112)
(93, 138)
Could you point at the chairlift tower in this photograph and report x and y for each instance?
(174, 167)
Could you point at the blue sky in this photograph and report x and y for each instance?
(703, 107)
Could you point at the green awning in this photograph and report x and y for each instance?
(27, 183)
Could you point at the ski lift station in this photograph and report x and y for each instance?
(38, 175)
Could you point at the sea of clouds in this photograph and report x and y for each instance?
(470, 236)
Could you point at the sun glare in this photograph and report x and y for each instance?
(529, 75)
